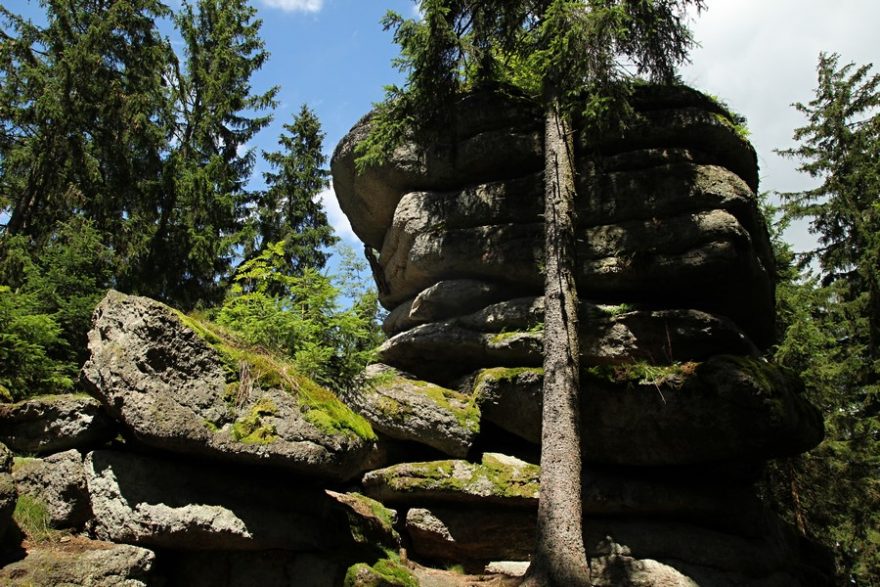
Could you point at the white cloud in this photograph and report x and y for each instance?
(760, 56)
(295, 5)
(337, 218)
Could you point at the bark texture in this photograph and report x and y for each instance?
(560, 557)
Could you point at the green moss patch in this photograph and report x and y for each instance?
(248, 368)
(644, 373)
(252, 428)
(384, 573)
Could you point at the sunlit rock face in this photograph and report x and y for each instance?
(675, 278)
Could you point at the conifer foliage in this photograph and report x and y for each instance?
(830, 312)
(125, 162)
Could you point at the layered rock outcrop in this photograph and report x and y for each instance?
(675, 274)
(200, 461)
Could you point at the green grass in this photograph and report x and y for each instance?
(247, 366)
(32, 517)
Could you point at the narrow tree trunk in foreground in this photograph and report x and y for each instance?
(560, 558)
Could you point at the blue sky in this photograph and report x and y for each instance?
(757, 55)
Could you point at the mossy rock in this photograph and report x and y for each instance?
(405, 408)
(498, 479)
(185, 385)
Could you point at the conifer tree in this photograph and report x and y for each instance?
(82, 113)
(832, 320)
(204, 198)
(567, 54)
(288, 209)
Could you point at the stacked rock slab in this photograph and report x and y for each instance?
(675, 276)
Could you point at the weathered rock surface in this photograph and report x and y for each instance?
(509, 333)
(705, 260)
(182, 506)
(54, 423)
(494, 136)
(498, 479)
(466, 535)
(445, 299)
(82, 562)
(405, 408)
(371, 522)
(169, 388)
(725, 408)
(57, 481)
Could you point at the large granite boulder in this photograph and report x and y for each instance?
(58, 482)
(405, 408)
(510, 333)
(183, 506)
(180, 387)
(726, 408)
(54, 423)
(82, 562)
(498, 479)
(674, 270)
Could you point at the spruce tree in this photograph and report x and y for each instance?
(204, 198)
(567, 55)
(832, 319)
(82, 112)
(288, 210)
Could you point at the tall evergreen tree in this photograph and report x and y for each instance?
(567, 54)
(832, 320)
(288, 209)
(82, 112)
(204, 200)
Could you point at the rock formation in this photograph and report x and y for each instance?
(675, 274)
(198, 461)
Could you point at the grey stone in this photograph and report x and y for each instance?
(82, 562)
(725, 408)
(404, 408)
(507, 140)
(184, 506)
(6, 459)
(54, 423)
(169, 388)
(459, 535)
(510, 333)
(705, 260)
(59, 482)
(445, 299)
(498, 479)
(510, 568)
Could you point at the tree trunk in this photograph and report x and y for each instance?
(560, 558)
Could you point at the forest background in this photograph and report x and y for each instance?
(330, 60)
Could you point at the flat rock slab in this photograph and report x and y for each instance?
(169, 387)
(181, 506)
(57, 481)
(510, 333)
(81, 562)
(54, 423)
(498, 479)
(405, 408)
(726, 408)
